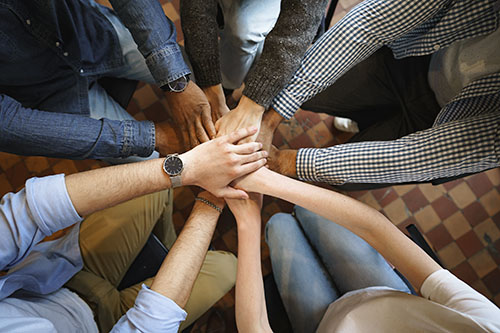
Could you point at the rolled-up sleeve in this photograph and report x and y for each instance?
(155, 36)
(28, 131)
(33, 213)
(152, 312)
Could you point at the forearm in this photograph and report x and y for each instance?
(155, 36)
(199, 25)
(27, 131)
(93, 190)
(251, 314)
(455, 148)
(359, 218)
(358, 35)
(177, 275)
(284, 47)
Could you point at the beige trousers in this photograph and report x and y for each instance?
(111, 239)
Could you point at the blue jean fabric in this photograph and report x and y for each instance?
(246, 25)
(52, 52)
(315, 261)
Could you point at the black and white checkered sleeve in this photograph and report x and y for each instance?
(360, 33)
(458, 147)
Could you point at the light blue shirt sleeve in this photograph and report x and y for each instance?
(152, 312)
(40, 209)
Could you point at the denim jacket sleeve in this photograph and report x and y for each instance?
(32, 132)
(155, 36)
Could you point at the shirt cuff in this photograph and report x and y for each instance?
(305, 164)
(167, 64)
(50, 203)
(138, 138)
(285, 105)
(154, 312)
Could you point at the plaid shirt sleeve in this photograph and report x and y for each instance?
(451, 149)
(366, 28)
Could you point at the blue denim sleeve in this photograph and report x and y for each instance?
(152, 312)
(155, 36)
(33, 132)
(26, 217)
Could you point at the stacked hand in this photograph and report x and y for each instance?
(246, 114)
(214, 164)
(192, 113)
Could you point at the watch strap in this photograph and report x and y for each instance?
(176, 181)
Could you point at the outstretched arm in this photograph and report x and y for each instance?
(251, 314)
(359, 218)
(154, 309)
(177, 274)
(212, 165)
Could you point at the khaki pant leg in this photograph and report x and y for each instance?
(111, 239)
(217, 276)
(109, 242)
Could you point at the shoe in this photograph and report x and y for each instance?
(345, 125)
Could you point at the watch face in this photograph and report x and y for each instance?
(173, 165)
(179, 84)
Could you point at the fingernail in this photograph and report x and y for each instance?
(264, 153)
(260, 145)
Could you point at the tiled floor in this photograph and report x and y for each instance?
(461, 219)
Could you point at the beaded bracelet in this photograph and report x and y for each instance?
(209, 203)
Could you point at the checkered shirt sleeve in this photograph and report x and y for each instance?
(410, 28)
(454, 148)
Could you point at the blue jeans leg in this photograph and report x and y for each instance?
(351, 262)
(303, 282)
(246, 25)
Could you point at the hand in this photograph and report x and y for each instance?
(191, 112)
(244, 210)
(270, 122)
(214, 164)
(217, 100)
(246, 114)
(167, 141)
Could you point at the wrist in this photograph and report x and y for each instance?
(248, 104)
(272, 119)
(287, 162)
(188, 175)
(215, 93)
(219, 202)
(248, 223)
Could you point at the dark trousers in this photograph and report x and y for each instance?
(388, 98)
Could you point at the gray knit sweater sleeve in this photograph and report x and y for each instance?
(199, 25)
(284, 48)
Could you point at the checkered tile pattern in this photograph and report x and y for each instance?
(460, 219)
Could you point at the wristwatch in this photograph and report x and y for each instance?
(173, 166)
(177, 85)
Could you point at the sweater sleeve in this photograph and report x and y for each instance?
(284, 48)
(199, 25)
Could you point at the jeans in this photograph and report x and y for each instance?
(315, 261)
(246, 25)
